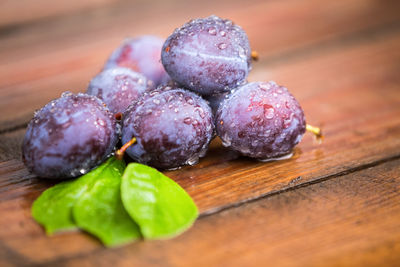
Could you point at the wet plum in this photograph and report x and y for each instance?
(141, 54)
(215, 100)
(69, 136)
(208, 56)
(173, 127)
(260, 120)
(118, 87)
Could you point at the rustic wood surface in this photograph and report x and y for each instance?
(335, 203)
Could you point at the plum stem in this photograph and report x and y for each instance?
(118, 116)
(315, 130)
(254, 55)
(120, 152)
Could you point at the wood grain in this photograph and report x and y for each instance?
(66, 53)
(10, 144)
(29, 11)
(360, 115)
(334, 204)
(352, 220)
(221, 180)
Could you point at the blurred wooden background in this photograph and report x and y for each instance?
(336, 203)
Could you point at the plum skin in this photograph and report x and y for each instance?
(141, 54)
(208, 56)
(215, 100)
(260, 120)
(69, 136)
(173, 127)
(118, 87)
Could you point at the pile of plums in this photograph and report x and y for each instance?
(171, 97)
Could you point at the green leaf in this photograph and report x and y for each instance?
(100, 212)
(53, 208)
(160, 207)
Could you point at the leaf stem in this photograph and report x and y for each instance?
(120, 152)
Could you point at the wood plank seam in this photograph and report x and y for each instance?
(13, 257)
(8, 29)
(14, 128)
(205, 215)
(339, 41)
(301, 185)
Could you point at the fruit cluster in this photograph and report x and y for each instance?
(170, 98)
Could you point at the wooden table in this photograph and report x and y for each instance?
(335, 203)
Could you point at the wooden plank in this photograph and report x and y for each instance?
(37, 63)
(350, 85)
(10, 145)
(351, 220)
(221, 180)
(24, 11)
(323, 224)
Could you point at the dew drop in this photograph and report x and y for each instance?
(66, 94)
(222, 46)
(265, 86)
(242, 53)
(67, 124)
(201, 112)
(153, 93)
(228, 23)
(269, 113)
(288, 156)
(192, 160)
(212, 31)
(189, 100)
(226, 141)
(101, 122)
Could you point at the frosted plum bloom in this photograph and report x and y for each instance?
(208, 56)
(260, 120)
(69, 136)
(173, 127)
(143, 55)
(118, 87)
